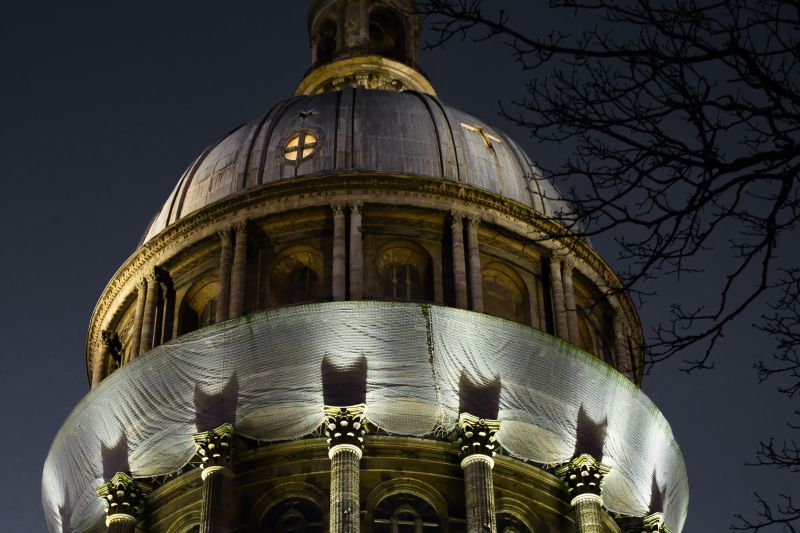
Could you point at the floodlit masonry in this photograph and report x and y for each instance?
(358, 312)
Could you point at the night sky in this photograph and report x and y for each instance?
(104, 104)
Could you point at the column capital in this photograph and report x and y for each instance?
(141, 285)
(240, 226)
(345, 425)
(583, 475)
(337, 209)
(477, 436)
(457, 216)
(123, 496)
(473, 220)
(652, 523)
(215, 447)
(224, 234)
(356, 207)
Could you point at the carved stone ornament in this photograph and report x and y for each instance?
(123, 495)
(345, 425)
(215, 447)
(583, 475)
(477, 435)
(652, 523)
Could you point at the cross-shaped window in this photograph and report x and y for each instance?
(299, 146)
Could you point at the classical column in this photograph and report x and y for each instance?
(356, 254)
(584, 477)
(215, 448)
(559, 305)
(124, 499)
(224, 276)
(345, 428)
(136, 334)
(238, 271)
(459, 264)
(475, 282)
(476, 437)
(569, 302)
(108, 341)
(338, 273)
(149, 316)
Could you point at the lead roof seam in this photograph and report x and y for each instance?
(268, 136)
(452, 136)
(188, 183)
(255, 133)
(435, 130)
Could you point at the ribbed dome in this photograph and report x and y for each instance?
(360, 130)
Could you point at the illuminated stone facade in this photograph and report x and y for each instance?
(363, 186)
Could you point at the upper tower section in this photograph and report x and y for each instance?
(364, 43)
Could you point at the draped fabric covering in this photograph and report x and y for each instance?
(272, 371)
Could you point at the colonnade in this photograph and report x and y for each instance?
(346, 430)
(348, 282)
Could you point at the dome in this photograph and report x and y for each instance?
(359, 130)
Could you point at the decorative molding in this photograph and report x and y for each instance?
(215, 448)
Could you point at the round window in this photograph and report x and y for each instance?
(300, 145)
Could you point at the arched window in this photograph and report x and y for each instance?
(296, 277)
(199, 305)
(296, 515)
(508, 523)
(504, 294)
(387, 34)
(404, 273)
(405, 513)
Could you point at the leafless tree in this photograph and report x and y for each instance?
(683, 118)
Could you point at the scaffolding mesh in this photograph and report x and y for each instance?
(415, 366)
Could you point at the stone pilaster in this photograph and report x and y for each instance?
(459, 261)
(238, 271)
(584, 478)
(215, 448)
(559, 304)
(224, 276)
(569, 302)
(136, 334)
(345, 428)
(356, 254)
(475, 281)
(338, 270)
(476, 439)
(124, 499)
(149, 316)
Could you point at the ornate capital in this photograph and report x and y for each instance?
(123, 495)
(356, 207)
(583, 475)
(337, 209)
(215, 447)
(345, 425)
(240, 227)
(225, 235)
(477, 436)
(473, 220)
(652, 523)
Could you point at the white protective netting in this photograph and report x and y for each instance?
(266, 371)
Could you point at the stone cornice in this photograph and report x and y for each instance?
(368, 187)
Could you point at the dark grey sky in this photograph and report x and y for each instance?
(102, 106)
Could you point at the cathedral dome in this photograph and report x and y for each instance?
(359, 130)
